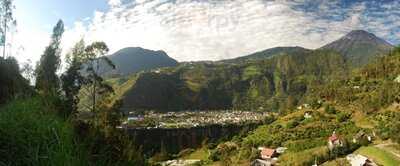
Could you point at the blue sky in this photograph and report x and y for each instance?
(190, 30)
(45, 13)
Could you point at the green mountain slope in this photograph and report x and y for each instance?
(363, 103)
(269, 84)
(268, 53)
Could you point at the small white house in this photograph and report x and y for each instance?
(135, 118)
(397, 79)
(307, 115)
(281, 150)
(359, 160)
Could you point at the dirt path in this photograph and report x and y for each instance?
(382, 146)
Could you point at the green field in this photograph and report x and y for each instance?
(379, 156)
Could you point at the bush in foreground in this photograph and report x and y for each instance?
(32, 135)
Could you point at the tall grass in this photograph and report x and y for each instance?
(32, 135)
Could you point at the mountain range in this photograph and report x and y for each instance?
(358, 47)
(274, 78)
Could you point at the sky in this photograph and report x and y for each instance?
(193, 30)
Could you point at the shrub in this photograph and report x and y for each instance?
(316, 104)
(342, 117)
(330, 109)
(292, 124)
(269, 119)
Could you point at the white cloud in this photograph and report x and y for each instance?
(114, 3)
(29, 44)
(212, 30)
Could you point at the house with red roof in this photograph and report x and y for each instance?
(267, 153)
(334, 141)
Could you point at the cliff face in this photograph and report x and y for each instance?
(175, 140)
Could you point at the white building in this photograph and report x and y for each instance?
(397, 79)
(359, 160)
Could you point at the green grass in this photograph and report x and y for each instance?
(336, 162)
(362, 120)
(199, 154)
(31, 135)
(306, 157)
(379, 156)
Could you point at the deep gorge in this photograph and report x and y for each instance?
(177, 139)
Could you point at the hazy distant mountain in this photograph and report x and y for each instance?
(359, 47)
(268, 53)
(134, 59)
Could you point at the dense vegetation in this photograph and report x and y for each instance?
(12, 84)
(372, 87)
(40, 126)
(34, 135)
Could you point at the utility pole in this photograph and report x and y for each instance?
(5, 35)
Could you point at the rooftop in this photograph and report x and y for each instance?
(267, 152)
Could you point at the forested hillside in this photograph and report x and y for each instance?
(268, 53)
(271, 84)
(371, 87)
(273, 79)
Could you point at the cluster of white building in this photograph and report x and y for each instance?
(185, 119)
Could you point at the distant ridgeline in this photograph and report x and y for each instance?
(135, 59)
(273, 79)
(358, 47)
